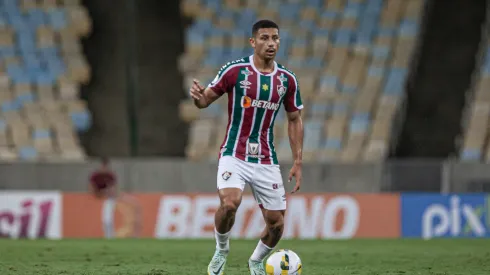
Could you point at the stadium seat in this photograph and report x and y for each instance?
(351, 58)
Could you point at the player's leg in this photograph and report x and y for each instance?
(136, 214)
(230, 188)
(224, 218)
(271, 235)
(108, 208)
(269, 192)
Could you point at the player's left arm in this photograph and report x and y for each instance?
(296, 133)
(294, 105)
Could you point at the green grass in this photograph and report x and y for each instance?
(180, 257)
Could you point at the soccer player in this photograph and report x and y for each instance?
(256, 86)
(103, 185)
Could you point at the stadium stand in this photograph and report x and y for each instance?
(42, 66)
(351, 58)
(475, 145)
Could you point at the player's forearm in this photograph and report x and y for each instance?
(296, 132)
(201, 103)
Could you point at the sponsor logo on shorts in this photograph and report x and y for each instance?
(226, 175)
(253, 151)
(247, 102)
(275, 186)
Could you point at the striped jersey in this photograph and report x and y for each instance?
(254, 100)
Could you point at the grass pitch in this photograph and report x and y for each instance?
(181, 257)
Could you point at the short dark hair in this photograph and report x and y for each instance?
(263, 24)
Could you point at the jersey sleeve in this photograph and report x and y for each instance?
(292, 100)
(224, 81)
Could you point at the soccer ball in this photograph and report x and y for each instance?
(283, 262)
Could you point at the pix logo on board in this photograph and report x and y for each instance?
(447, 216)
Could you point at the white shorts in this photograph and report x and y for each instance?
(265, 180)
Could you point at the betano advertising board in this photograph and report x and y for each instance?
(55, 215)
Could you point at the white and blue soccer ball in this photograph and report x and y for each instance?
(283, 262)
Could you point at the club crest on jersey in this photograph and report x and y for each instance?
(226, 175)
(281, 89)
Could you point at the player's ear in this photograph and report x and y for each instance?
(252, 41)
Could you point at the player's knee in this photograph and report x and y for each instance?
(229, 207)
(276, 227)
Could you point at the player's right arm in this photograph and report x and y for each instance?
(222, 83)
(203, 97)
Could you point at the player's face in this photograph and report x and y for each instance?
(266, 43)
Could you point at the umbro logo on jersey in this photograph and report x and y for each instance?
(245, 84)
(247, 102)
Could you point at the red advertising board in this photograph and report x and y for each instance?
(325, 216)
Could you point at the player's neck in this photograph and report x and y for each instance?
(263, 65)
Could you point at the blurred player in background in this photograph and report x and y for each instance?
(257, 87)
(103, 184)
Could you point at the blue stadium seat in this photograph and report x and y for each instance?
(213, 4)
(343, 37)
(318, 4)
(213, 111)
(45, 78)
(7, 51)
(348, 89)
(3, 21)
(307, 24)
(3, 125)
(408, 28)
(471, 155)
(319, 110)
(386, 31)
(194, 36)
(28, 153)
(339, 108)
(375, 71)
(36, 18)
(246, 18)
(319, 32)
(329, 81)
(358, 125)
(289, 11)
(352, 10)
(395, 81)
(81, 120)
(296, 62)
(313, 63)
(57, 19)
(374, 6)
(332, 143)
(41, 134)
(273, 4)
(22, 99)
(281, 117)
(284, 143)
(361, 116)
(8, 106)
(202, 26)
(329, 14)
(313, 136)
(381, 52)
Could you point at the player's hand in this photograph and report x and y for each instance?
(296, 171)
(196, 90)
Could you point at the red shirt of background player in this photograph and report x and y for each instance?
(103, 181)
